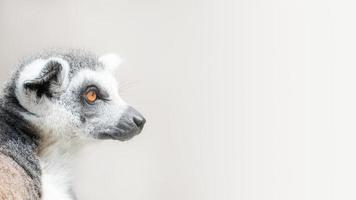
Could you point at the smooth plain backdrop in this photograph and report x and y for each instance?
(244, 99)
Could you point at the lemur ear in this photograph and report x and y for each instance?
(111, 61)
(44, 77)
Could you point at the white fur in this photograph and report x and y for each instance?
(111, 61)
(55, 187)
(59, 148)
(56, 167)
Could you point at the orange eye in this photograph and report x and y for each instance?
(91, 96)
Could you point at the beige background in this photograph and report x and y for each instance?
(245, 99)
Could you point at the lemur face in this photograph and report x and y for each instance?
(70, 97)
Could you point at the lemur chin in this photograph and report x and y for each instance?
(55, 103)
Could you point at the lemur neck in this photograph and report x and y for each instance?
(58, 152)
(56, 162)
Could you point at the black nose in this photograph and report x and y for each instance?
(139, 121)
(136, 117)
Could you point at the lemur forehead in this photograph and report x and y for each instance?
(102, 77)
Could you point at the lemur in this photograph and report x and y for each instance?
(55, 103)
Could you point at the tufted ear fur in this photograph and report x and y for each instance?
(46, 80)
(41, 78)
(111, 61)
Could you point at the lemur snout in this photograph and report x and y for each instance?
(130, 124)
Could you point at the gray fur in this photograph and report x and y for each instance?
(18, 138)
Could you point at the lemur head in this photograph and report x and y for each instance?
(75, 95)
